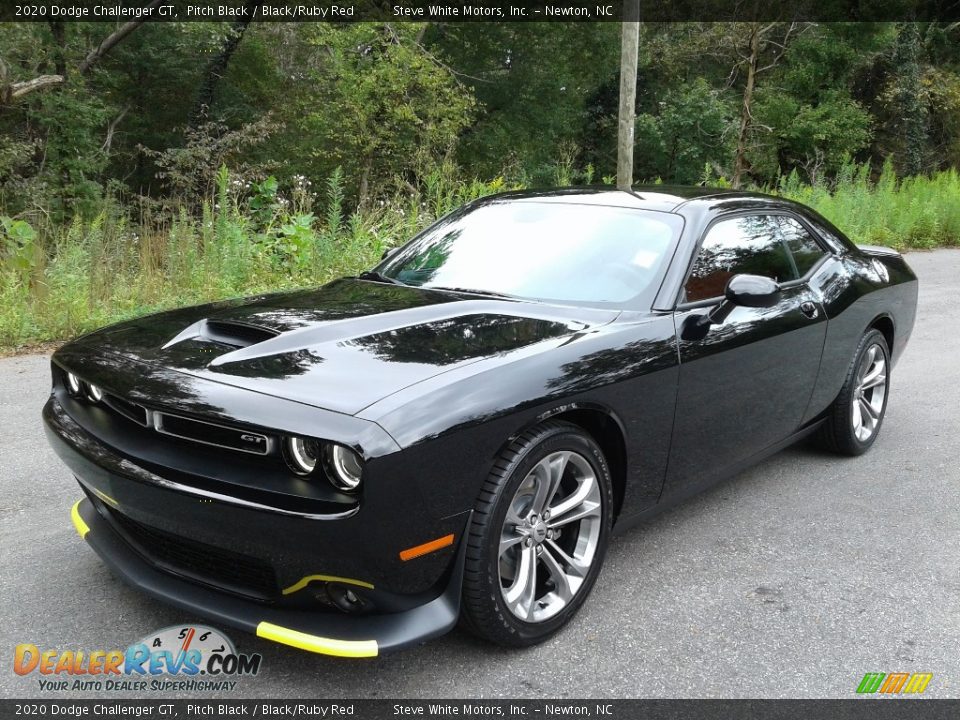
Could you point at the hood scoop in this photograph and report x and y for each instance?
(354, 329)
(236, 334)
(225, 332)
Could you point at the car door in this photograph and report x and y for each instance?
(745, 385)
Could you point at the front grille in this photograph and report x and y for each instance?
(211, 434)
(211, 565)
(129, 410)
(229, 437)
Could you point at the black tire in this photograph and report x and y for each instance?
(484, 611)
(837, 433)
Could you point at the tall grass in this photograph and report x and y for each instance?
(915, 212)
(57, 281)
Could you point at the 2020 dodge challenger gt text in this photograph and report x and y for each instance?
(456, 433)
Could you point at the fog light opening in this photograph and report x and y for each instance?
(344, 598)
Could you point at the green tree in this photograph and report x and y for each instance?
(380, 106)
(692, 128)
(534, 83)
(907, 101)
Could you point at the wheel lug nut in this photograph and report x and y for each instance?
(533, 519)
(528, 542)
(546, 516)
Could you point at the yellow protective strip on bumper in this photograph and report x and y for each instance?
(304, 581)
(78, 523)
(314, 643)
(106, 498)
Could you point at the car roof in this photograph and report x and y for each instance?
(664, 198)
(688, 201)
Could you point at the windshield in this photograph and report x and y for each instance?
(540, 250)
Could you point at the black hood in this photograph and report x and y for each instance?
(345, 345)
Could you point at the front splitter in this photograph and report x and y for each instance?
(320, 632)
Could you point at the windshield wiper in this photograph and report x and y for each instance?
(375, 276)
(472, 291)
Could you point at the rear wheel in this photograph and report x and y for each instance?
(538, 536)
(854, 420)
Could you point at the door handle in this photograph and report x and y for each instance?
(809, 309)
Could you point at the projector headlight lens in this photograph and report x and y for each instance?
(94, 392)
(73, 384)
(345, 467)
(302, 454)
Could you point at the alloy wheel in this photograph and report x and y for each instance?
(869, 393)
(550, 536)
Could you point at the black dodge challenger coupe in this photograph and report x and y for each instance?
(455, 434)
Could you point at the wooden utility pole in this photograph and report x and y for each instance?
(629, 47)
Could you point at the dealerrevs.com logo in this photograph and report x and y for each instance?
(186, 658)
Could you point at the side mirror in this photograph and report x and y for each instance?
(753, 291)
(387, 253)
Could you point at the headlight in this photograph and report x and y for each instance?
(345, 467)
(301, 454)
(94, 393)
(73, 384)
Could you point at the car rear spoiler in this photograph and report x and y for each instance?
(878, 251)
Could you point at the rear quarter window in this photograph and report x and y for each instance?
(803, 246)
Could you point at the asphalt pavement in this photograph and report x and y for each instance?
(791, 580)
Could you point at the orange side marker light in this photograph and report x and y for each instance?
(426, 548)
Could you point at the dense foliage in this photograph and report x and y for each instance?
(186, 161)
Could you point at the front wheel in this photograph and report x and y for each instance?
(853, 421)
(538, 536)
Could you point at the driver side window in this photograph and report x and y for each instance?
(749, 244)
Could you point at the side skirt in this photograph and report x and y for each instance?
(626, 523)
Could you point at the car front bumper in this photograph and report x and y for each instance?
(325, 633)
(193, 551)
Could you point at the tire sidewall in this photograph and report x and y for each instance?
(561, 437)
